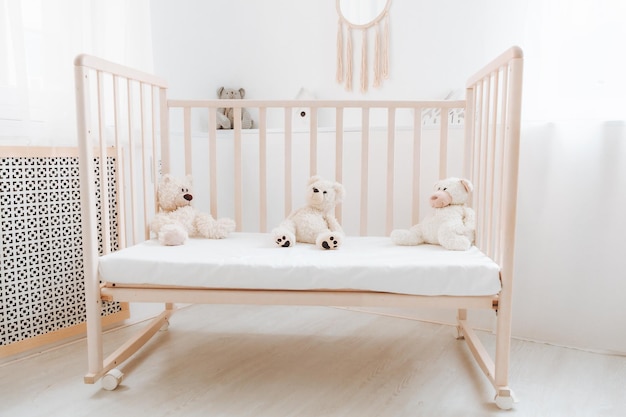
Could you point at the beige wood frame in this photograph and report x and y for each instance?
(492, 130)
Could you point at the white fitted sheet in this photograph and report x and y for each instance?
(252, 261)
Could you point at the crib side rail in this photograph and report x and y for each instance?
(119, 111)
(375, 148)
(118, 122)
(492, 152)
(494, 97)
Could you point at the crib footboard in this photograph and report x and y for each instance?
(386, 153)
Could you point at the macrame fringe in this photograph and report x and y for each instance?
(364, 62)
(385, 55)
(340, 53)
(381, 54)
(377, 58)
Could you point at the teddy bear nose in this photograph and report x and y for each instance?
(188, 197)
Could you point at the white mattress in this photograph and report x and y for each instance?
(252, 261)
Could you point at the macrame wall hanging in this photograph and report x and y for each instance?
(358, 17)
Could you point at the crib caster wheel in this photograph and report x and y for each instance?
(112, 379)
(505, 401)
(165, 327)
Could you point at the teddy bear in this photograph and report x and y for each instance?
(315, 222)
(177, 219)
(225, 116)
(451, 225)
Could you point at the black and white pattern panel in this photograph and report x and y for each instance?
(41, 258)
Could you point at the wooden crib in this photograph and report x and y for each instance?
(386, 153)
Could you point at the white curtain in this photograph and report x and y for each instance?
(38, 42)
(575, 66)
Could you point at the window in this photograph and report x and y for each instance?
(38, 42)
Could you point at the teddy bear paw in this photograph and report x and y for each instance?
(329, 240)
(405, 238)
(223, 227)
(283, 238)
(283, 241)
(458, 243)
(172, 235)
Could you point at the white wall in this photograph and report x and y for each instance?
(274, 47)
(570, 277)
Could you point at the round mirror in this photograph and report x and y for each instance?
(361, 12)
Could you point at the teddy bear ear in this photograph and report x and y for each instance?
(242, 92)
(166, 178)
(219, 92)
(314, 178)
(340, 192)
(467, 184)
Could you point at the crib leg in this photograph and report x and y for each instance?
(504, 395)
(169, 307)
(461, 315)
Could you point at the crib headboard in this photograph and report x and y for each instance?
(386, 153)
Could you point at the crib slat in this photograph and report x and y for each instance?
(499, 176)
(492, 190)
(339, 155)
(391, 147)
(365, 129)
(288, 157)
(104, 183)
(484, 161)
(131, 162)
(417, 150)
(443, 144)
(263, 169)
(480, 157)
(164, 133)
(212, 168)
(238, 170)
(155, 150)
(144, 155)
(119, 161)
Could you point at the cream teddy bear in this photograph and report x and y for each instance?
(451, 225)
(177, 219)
(314, 222)
(225, 116)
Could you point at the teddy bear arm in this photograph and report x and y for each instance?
(246, 119)
(333, 224)
(451, 239)
(229, 114)
(469, 218)
(222, 121)
(160, 220)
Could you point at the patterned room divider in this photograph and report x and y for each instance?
(42, 296)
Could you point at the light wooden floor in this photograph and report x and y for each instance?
(309, 361)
